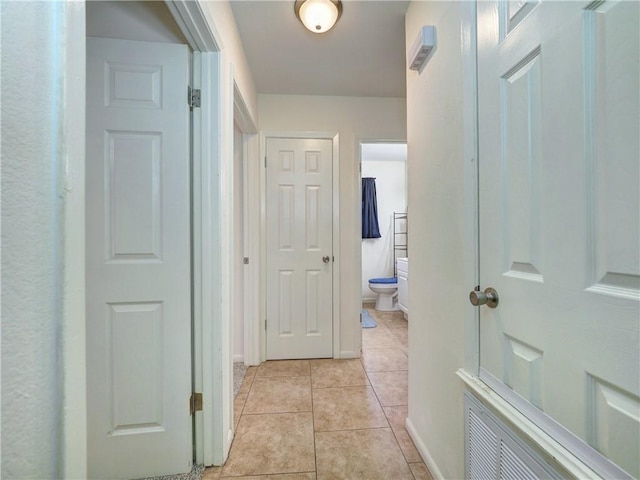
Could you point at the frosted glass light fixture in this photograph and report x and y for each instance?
(318, 15)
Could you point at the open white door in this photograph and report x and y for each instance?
(138, 260)
(558, 86)
(299, 248)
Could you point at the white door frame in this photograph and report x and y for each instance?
(259, 333)
(370, 142)
(251, 227)
(212, 231)
(71, 124)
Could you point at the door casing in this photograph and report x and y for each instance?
(260, 330)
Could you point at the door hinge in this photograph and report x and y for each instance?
(193, 97)
(265, 161)
(265, 323)
(195, 403)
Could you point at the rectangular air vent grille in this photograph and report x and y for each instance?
(495, 451)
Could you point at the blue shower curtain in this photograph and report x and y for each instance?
(370, 228)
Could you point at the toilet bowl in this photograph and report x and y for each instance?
(386, 290)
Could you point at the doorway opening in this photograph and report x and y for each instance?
(386, 164)
(385, 341)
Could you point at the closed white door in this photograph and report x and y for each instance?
(138, 259)
(559, 224)
(299, 248)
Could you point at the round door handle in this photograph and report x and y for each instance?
(489, 298)
(325, 259)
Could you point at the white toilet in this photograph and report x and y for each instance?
(387, 293)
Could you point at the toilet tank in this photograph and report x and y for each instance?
(402, 265)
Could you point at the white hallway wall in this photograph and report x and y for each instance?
(391, 190)
(356, 119)
(42, 117)
(438, 285)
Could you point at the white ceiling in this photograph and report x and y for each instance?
(363, 55)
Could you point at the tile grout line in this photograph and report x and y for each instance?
(313, 424)
(312, 389)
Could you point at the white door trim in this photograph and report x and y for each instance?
(200, 34)
(260, 336)
(212, 214)
(251, 228)
(470, 179)
(73, 456)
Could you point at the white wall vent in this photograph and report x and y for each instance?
(422, 48)
(493, 451)
(482, 445)
(513, 466)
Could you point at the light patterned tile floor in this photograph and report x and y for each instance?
(327, 419)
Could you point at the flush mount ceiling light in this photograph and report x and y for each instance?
(318, 15)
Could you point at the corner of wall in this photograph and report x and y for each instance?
(436, 176)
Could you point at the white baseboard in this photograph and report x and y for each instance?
(227, 449)
(349, 354)
(368, 300)
(238, 358)
(422, 450)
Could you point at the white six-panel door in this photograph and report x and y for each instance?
(559, 204)
(299, 235)
(138, 259)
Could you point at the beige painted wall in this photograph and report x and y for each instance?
(439, 281)
(356, 119)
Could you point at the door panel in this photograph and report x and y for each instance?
(299, 235)
(559, 225)
(138, 260)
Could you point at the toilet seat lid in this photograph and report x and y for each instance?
(384, 280)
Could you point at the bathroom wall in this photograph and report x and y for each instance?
(387, 164)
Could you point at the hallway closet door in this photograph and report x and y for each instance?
(559, 226)
(138, 259)
(299, 248)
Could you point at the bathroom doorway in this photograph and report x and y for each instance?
(386, 164)
(385, 332)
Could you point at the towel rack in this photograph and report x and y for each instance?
(400, 238)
